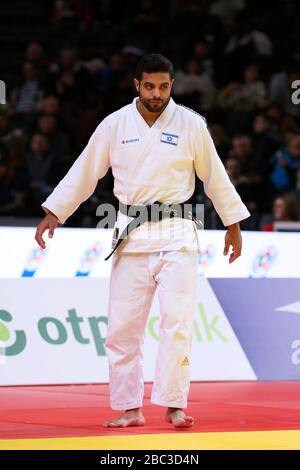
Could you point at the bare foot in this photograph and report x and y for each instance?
(132, 417)
(178, 418)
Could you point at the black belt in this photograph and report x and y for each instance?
(151, 213)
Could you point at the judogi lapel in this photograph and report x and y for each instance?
(148, 136)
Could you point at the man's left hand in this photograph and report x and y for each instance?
(233, 238)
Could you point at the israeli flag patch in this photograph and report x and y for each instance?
(171, 139)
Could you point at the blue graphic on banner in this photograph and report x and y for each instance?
(206, 257)
(263, 261)
(265, 316)
(34, 260)
(88, 259)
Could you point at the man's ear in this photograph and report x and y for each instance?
(136, 84)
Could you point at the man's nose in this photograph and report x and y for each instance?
(156, 94)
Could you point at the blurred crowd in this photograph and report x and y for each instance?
(236, 63)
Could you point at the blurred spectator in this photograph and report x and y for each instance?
(118, 87)
(12, 140)
(242, 150)
(144, 24)
(40, 165)
(221, 140)
(68, 13)
(35, 55)
(66, 124)
(264, 143)
(247, 189)
(193, 87)
(249, 95)
(202, 54)
(71, 81)
(63, 9)
(241, 99)
(13, 186)
(233, 168)
(281, 123)
(57, 141)
(50, 106)
(248, 37)
(245, 44)
(25, 99)
(285, 163)
(114, 69)
(227, 8)
(285, 209)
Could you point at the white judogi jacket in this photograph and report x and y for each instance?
(150, 164)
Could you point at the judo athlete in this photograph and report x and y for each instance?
(154, 147)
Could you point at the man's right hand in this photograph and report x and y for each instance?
(48, 223)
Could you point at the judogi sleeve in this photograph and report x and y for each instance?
(217, 185)
(81, 180)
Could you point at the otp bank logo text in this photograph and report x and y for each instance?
(92, 330)
(53, 331)
(11, 344)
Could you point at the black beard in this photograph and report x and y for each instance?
(153, 109)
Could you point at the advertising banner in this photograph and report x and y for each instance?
(52, 331)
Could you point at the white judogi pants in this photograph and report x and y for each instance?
(134, 279)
